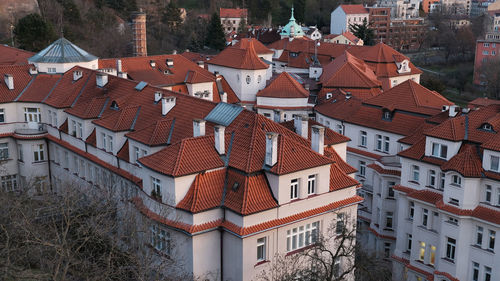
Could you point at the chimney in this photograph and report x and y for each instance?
(77, 74)
(198, 127)
(167, 103)
(300, 123)
(445, 107)
(9, 81)
(118, 66)
(122, 75)
(201, 64)
(271, 148)
(101, 79)
(139, 34)
(158, 96)
(152, 63)
(33, 71)
(170, 62)
(454, 109)
(223, 97)
(348, 95)
(277, 115)
(318, 138)
(219, 139)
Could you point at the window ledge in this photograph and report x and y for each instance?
(299, 250)
(39, 162)
(483, 249)
(390, 198)
(261, 262)
(448, 260)
(414, 182)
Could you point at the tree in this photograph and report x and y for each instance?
(333, 256)
(215, 34)
(33, 33)
(489, 74)
(363, 32)
(299, 9)
(243, 25)
(172, 15)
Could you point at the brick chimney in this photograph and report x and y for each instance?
(139, 34)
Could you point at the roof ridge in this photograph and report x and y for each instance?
(179, 156)
(245, 194)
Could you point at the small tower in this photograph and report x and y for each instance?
(139, 34)
(292, 29)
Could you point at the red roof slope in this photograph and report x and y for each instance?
(354, 9)
(284, 86)
(67, 89)
(233, 13)
(21, 79)
(260, 49)
(331, 137)
(39, 88)
(205, 192)
(13, 56)
(466, 162)
(239, 58)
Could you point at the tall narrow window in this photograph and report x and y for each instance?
(294, 189)
(160, 239)
(340, 223)
(475, 271)
(311, 184)
(21, 153)
(488, 194)
(494, 164)
(261, 249)
(362, 168)
(432, 178)
(421, 253)
(415, 174)
(2, 115)
(479, 236)
(156, 187)
(137, 153)
(38, 153)
(411, 212)
(451, 245)
(408, 242)
(425, 217)
(487, 273)
(387, 250)
(390, 189)
(388, 219)
(491, 242)
(442, 180)
(363, 139)
(378, 142)
(4, 151)
(432, 259)
(386, 144)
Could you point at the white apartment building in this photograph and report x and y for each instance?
(231, 19)
(346, 15)
(224, 189)
(401, 8)
(448, 201)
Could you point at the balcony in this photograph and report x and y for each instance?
(30, 129)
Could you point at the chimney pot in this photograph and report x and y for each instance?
(122, 75)
(271, 148)
(277, 115)
(198, 127)
(170, 62)
(9, 81)
(77, 74)
(223, 97)
(158, 96)
(167, 103)
(101, 79)
(453, 111)
(301, 125)
(118, 66)
(201, 64)
(318, 138)
(219, 132)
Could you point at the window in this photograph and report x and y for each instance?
(488, 194)
(378, 142)
(248, 79)
(491, 240)
(411, 212)
(32, 115)
(475, 271)
(9, 183)
(388, 220)
(386, 144)
(362, 168)
(454, 201)
(156, 186)
(487, 273)
(494, 163)
(137, 153)
(261, 249)
(110, 143)
(498, 195)
(479, 236)
(340, 223)
(387, 115)
(38, 153)
(390, 189)
(421, 253)
(387, 250)
(408, 242)
(4, 151)
(432, 259)
(311, 184)
(294, 189)
(415, 175)
(425, 217)
(486, 45)
(439, 150)
(2, 115)
(160, 239)
(340, 129)
(432, 178)
(302, 236)
(451, 245)
(259, 79)
(485, 53)
(363, 139)
(20, 154)
(456, 180)
(442, 180)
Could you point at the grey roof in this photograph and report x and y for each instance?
(62, 51)
(224, 113)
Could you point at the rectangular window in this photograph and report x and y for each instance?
(390, 189)
(363, 139)
(485, 53)
(456, 180)
(486, 45)
(442, 180)
(487, 273)
(340, 129)
(79, 132)
(294, 189)
(110, 143)
(4, 151)
(9, 183)
(156, 185)
(451, 245)
(38, 153)
(415, 173)
(302, 236)
(494, 163)
(311, 184)
(408, 242)
(362, 168)
(386, 144)
(73, 128)
(21, 153)
(425, 217)
(388, 220)
(387, 250)
(421, 253)
(479, 236)
(32, 115)
(104, 144)
(491, 240)
(411, 212)
(475, 271)
(432, 259)
(439, 150)
(488, 194)
(137, 153)
(378, 142)
(2, 115)
(261, 249)
(340, 223)
(454, 201)
(160, 239)
(432, 178)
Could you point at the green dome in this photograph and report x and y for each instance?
(292, 29)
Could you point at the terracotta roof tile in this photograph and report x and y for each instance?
(466, 162)
(39, 88)
(332, 154)
(205, 192)
(331, 137)
(233, 13)
(362, 152)
(13, 56)
(339, 179)
(233, 57)
(67, 90)
(260, 49)
(284, 86)
(121, 120)
(354, 9)
(383, 171)
(153, 135)
(21, 77)
(123, 153)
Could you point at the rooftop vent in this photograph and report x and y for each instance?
(77, 74)
(101, 79)
(158, 96)
(152, 63)
(170, 62)
(167, 103)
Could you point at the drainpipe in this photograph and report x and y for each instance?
(48, 161)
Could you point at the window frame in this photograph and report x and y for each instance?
(451, 248)
(261, 248)
(311, 184)
(294, 189)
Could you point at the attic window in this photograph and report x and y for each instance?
(235, 186)
(487, 127)
(114, 105)
(294, 55)
(386, 115)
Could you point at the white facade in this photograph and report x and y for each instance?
(340, 21)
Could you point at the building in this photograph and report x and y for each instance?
(430, 6)
(345, 38)
(401, 8)
(346, 15)
(292, 29)
(486, 50)
(447, 202)
(231, 19)
(224, 189)
(376, 127)
(479, 7)
(380, 22)
(139, 44)
(456, 7)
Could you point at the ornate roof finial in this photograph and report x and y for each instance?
(292, 18)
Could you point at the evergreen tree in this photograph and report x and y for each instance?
(172, 15)
(215, 34)
(33, 33)
(299, 10)
(243, 25)
(363, 32)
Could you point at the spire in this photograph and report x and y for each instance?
(292, 18)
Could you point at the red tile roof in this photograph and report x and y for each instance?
(339, 180)
(383, 171)
(13, 56)
(363, 152)
(332, 154)
(21, 79)
(67, 90)
(341, 93)
(480, 102)
(205, 192)
(153, 135)
(331, 137)
(260, 49)
(233, 13)
(284, 86)
(121, 120)
(354, 9)
(123, 153)
(466, 162)
(238, 58)
(39, 88)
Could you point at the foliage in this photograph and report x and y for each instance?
(215, 34)
(490, 74)
(363, 32)
(70, 11)
(243, 27)
(33, 33)
(431, 83)
(172, 15)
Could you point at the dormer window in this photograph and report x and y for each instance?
(328, 96)
(386, 115)
(235, 186)
(456, 180)
(294, 55)
(114, 105)
(439, 150)
(487, 127)
(494, 163)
